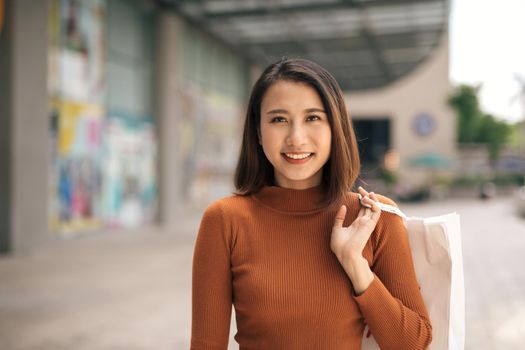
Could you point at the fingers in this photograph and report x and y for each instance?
(377, 210)
(374, 197)
(369, 200)
(340, 216)
(364, 210)
(376, 215)
(362, 191)
(364, 195)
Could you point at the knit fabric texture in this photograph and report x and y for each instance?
(268, 254)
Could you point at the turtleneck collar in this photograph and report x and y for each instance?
(291, 200)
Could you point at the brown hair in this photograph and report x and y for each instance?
(342, 168)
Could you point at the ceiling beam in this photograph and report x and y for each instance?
(361, 61)
(283, 9)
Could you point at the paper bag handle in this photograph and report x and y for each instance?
(385, 207)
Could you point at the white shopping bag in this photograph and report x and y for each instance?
(435, 243)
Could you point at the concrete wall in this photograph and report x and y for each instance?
(130, 52)
(29, 121)
(202, 86)
(168, 107)
(424, 90)
(6, 40)
(25, 130)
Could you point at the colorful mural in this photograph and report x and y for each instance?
(77, 104)
(130, 192)
(78, 166)
(210, 126)
(103, 165)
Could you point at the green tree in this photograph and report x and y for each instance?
(474, 126)
(465, 102)
(517, 136)
(495, 134)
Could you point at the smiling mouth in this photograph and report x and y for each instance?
(297, 158)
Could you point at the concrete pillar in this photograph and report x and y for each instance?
(27, 123)
(6, 40)
(168, 111)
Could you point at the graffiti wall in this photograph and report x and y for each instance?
(210, 129)
(103, 163)
(77, 167)
(77, 109)
(130, 191)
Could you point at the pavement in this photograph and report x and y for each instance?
(132, 290)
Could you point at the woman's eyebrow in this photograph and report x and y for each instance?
(310, 110)
(284, 111)
(277, 111)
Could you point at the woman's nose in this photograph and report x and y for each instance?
(296, 135)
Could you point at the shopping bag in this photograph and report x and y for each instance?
(435, 243)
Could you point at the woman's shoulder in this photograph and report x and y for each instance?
(229, 205)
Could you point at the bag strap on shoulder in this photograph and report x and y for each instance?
(387, 207)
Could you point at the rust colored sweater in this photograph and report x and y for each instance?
(269, 255)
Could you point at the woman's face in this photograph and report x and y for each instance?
(295, 134)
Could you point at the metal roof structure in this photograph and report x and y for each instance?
(365, 44)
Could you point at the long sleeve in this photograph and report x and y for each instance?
(392, 305)
(211, 282)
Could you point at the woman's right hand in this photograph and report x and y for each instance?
(349, 242)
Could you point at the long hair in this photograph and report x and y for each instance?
(342, 168)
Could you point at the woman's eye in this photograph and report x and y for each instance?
(277, 119)
(314, 117)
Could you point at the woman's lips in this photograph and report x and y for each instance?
(297, 161)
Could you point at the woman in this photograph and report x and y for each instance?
(305, 263)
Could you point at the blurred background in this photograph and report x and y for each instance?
(120, 121)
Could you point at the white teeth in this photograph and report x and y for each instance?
(298, 156)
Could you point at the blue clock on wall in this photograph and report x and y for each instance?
(424, 124)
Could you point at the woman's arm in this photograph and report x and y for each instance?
(392, 304)
(387, 293)
(211, 283)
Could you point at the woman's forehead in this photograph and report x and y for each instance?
(288, 96)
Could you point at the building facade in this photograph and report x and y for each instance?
(118, 114)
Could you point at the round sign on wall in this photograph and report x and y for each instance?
(424, 124)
